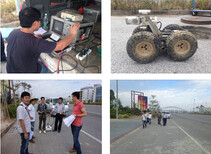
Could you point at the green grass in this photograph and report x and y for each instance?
(201, 113)
(163, 5)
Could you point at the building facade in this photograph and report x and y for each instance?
(87, 94)
(97, 93)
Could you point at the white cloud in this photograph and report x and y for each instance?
(174, 97)
(57, 88)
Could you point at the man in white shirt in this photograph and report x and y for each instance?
(23, 122)
(150, 117)
(59, 109)
(31, 110)
(144, 120)
(164, 119)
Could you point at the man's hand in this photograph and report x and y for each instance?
(31, 118)
(62, 112)
(74, 29)
(74, 115)
(26, 136)
(38, 35)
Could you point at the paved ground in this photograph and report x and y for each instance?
(121, 63)
(118, 128)
(54, 143)
(184, 133)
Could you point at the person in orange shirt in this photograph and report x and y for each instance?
(79, 111)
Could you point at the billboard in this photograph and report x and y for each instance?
(142, 103)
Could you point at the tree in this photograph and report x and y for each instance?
(154, 104)
(112, 99)
(24, 85)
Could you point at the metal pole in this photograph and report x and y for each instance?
(193, 5)
(117, 105)
(17, 4)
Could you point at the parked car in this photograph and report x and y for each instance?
(168, 115)
(51, 102)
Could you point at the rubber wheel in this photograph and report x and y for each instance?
(138, 29)
(181, 45)
(172, 27)
(194, 13)
(143, 47)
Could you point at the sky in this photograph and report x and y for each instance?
(57, 88)
(185, 94)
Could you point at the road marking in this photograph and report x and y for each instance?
(91, 136)
(191, 138)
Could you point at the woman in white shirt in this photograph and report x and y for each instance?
(150, 117)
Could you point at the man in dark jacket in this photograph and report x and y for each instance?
(42, 110)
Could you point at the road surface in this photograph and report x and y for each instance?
(54, 142)
(184, 133)
(122, 63)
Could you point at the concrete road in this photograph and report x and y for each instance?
(184, 133)
(122, 63)
(118, 128)
(54, 142)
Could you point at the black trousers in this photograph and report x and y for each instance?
(164, 121)
(42, 119)
(159, 121)
(59, 118)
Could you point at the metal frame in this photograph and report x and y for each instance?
(133, 102)
(193, 8)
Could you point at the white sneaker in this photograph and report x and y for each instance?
(40, 131)
(44, 132)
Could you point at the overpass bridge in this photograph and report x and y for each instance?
(173, 109)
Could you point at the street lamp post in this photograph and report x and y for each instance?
(117, 105)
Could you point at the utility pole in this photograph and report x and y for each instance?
(117, 105)
(193, 104)
(13, 88)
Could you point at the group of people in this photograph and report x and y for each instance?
(164, 117)
(147, 117)
(26, 119)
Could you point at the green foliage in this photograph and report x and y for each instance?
(154, 104)
(154, 115)
(12, 110)
(112, 113)
(7, 7)
(91, 103)
(126, 116)
(158, 5)
(122, 116)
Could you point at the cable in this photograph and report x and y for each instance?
(160, 24)
(76, 63)
(59, 61)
